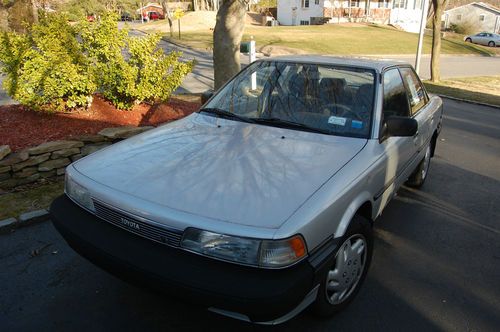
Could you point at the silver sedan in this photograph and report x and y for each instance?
(262, 203)
(484, 38)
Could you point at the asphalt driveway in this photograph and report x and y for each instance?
(436, 262)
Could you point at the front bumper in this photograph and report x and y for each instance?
(257, 295)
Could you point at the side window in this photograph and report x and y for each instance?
(395, 100)
(416, 93)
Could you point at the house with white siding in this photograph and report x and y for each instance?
(405, 14)
(478, 15)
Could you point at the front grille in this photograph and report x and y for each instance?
(138, 227)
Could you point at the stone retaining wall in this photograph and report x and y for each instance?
(49, 160)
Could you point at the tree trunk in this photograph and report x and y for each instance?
(227, 37)
(439, 6)
(19, 13)
(168, 14)
(34, 9)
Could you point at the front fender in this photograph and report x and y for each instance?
(351, 210)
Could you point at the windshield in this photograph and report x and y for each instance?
(329, 99)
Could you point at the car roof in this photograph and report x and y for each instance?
(350, 61)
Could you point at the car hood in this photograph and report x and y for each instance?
(230, 171)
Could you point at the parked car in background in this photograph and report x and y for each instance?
(484, 38)
(262, 203)
(156, 16)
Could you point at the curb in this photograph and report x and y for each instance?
(25, 219)
(467, 101)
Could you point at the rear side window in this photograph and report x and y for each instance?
(416, 93)
(395, 99)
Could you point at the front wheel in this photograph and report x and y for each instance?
(343, 279)
(468, 40)
(491, 44)
(417, 179)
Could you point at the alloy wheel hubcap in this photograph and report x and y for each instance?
(347, 270)
(427, 160)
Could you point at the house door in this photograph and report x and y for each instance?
(294, 16)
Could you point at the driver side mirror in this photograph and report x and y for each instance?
(205, 96)
(400, 126)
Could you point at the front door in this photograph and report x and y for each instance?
(398, 152)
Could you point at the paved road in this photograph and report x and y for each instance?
(456, 66)
(436, 263)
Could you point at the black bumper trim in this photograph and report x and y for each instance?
(261, 294)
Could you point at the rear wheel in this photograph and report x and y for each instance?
(348, 269)
(418, 177)
(468, 40)
(491, 44)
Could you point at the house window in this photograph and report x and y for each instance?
(481, 18)
(304, 22)
(354, 3)
(459, 17)
(383, 4)
(417, 4)
(316, 2)
(399, 4)
(305, 3)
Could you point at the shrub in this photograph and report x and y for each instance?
(465, 28)
(130, 70)
(58, 66)
(46, 69)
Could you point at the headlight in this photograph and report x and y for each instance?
(78, 193)
(256, 252)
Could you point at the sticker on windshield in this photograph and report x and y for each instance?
(356, 124)
(337, 120)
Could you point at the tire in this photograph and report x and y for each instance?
(491, 44)
(468, 40)
(343, 278)
(417, 178)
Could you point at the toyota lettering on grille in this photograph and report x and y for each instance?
(129, 223)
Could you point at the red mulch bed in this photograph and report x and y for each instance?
(21, 127)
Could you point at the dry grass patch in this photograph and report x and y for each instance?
(31, 198)
(484, 89)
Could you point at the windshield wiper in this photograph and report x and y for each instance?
(290, 124)
(226, 114)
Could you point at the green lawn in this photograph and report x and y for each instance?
(356, 39)
(484, 89)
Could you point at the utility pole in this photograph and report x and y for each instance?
(423, 22)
